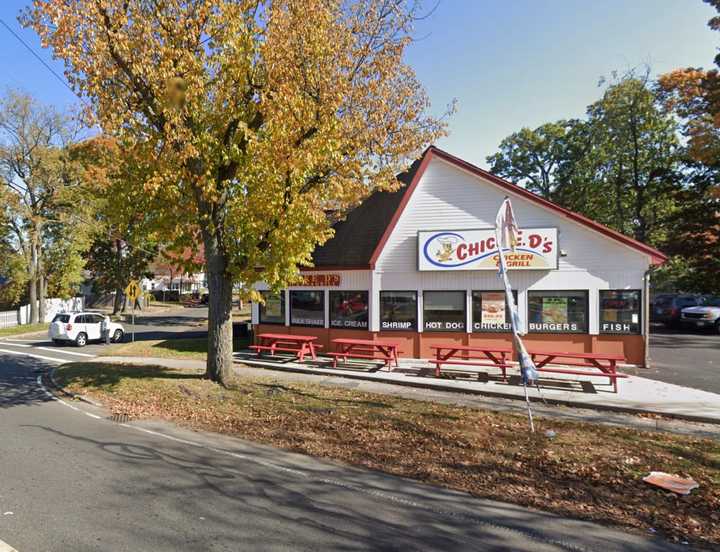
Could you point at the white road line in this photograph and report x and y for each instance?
(62, 352)
(16, 344)
(5, 547)
(22, 353)
(53, 397)
(93, 415)
(10, 340)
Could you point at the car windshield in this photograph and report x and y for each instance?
(64, 318)
(712, 302)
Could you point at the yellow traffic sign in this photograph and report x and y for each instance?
(133, 291)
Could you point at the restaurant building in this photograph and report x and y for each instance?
(418, 266)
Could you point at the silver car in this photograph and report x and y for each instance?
(704, 316)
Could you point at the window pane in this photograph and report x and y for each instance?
(349, 309)
(557, 311)
(398, 310)
(620, 311)
(490, 311)
(273, 311)
(444, 311)
(307, 308)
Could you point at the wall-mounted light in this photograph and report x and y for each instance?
(563, 253)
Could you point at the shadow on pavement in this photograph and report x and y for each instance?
(263, 498)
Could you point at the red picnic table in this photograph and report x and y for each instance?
(300, 344)
(465, 355)
(605, 363)
(387, 351)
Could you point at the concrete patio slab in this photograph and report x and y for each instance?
(635, 394)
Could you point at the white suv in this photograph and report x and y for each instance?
(82, 327)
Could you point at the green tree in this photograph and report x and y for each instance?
(256, 116)
(618, 166)
(38, 174)
(541, 159)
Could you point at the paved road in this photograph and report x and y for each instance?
(71, 479)
(685, 358)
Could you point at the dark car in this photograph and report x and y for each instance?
(667, 308)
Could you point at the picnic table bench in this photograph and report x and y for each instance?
(299, 344)
(466, 355)
(606, 364)
(372, 349)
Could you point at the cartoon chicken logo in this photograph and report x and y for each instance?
(447, 248)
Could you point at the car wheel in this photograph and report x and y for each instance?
(717, 327)
(81, 340)
(117, 336)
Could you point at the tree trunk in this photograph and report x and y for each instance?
(33, 281)
(42, 288)
(220, 329)
(116, 301)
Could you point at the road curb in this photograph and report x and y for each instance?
(27, 334)
(54, 385)
(500, 394)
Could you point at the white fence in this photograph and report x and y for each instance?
(52, 307)
(8, 319)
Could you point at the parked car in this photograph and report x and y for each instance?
(668, 307)
(82, 327)
(703, 316)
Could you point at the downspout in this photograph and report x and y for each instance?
(646, 314)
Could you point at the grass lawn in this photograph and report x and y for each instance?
(27, 328)
(586, 471)
(184, 348)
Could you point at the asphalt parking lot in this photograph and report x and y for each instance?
(684, 357)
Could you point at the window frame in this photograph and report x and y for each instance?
(414, 327)
(322, 294)
(586, 331)
(464, 311)
(507, 314)
(640, 312)
(349, 291)
(283, 308)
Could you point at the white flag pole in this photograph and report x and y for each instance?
(506, 237)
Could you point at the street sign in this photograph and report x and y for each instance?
(133, 291)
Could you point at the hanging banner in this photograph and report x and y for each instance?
(477, 250)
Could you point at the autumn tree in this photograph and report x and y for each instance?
(257, 115)
(125, 237)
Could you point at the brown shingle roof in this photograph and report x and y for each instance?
(357, 236)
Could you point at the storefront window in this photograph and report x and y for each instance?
(349, 309)
(273, 311)
(307, 308)
(444, 311)
(558, 311)
(490, 312)
(398, 310)
(620, 311)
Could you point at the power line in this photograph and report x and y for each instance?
(41, 60)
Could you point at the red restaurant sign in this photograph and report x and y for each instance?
(320, 280)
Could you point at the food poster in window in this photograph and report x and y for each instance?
(493, 310)
(273, 306)
(555, 310)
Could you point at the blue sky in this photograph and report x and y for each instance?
(509, 63)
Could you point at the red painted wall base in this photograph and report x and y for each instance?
(417, 345)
